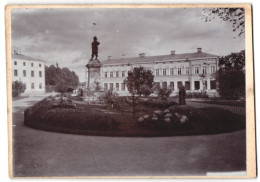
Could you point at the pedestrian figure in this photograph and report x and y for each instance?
(94, 44)
(182, 95)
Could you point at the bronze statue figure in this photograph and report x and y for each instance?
(95, 44)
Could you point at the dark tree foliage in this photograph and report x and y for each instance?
(231, 75)
(139, 83)
(236, 16)
(18, 88)
(56, 76)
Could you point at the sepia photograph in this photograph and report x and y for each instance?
(130, 91)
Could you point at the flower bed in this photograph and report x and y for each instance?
(184, 118)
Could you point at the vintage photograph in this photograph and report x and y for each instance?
(130, 91)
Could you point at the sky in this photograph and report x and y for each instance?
(64, 36)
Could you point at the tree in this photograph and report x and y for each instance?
(236, 16)
(18, 87)
(231, 75)
(56, 76)
(139, 82)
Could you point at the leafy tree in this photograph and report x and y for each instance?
(139, 82)
(236, 16)
(18, 87)
(56, 76)
(231, 75)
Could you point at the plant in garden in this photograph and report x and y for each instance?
(110, 98)
(18, 87)
(139, 83)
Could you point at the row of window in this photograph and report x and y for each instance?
(187, 86)
(111, 86)
(24, 64)
(180, 71)
(25, 73)
(111, 74)
(186, 71)
(33, 86)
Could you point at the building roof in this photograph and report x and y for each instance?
(152, 59)
(21, 56)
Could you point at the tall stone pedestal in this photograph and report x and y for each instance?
(93, 82)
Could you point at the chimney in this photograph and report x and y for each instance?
(173, 52)
(141, 55)
(199, 50)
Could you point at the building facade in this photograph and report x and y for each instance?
(30, 71)
(195, 71)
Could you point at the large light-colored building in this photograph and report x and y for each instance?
(195, 71)
(30, 71)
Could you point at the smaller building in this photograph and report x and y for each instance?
(30, 71)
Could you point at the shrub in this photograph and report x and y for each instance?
(157, 103)
(18, 87)
(65, 118)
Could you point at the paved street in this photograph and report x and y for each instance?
(41, 153)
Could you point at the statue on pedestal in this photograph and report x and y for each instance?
(94, 45)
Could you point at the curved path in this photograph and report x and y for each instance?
(40, 153)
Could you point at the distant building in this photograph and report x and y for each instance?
(30, 71)
(195, 71)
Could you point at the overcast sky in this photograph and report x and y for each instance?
(65, 35)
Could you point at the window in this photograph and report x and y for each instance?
(164, 71)
(106, 74)
(157, 72)
(15, 63)
(32, 86)
(187, 70)
(40, 73)
(15, 72)
(213, 84)
(204, 69)
(32, 73)
(40, 65)
(164, 84)
(32, 64)
(40, 86)
(122, 86)
(179, 71)
(196, 70)
(24, 73)
(111, 86)
(105, 86)
(172, 85)
(172, 71)
(24, 63)
(187, 85)
(111, 74)
(117, 86)
(117, 73)
(197, 85)
(212, 69)
(123, 74)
